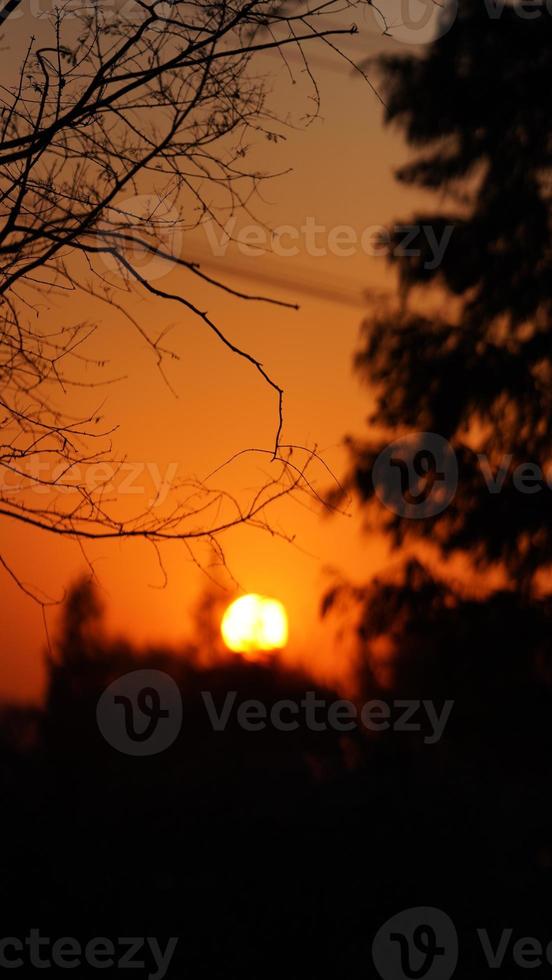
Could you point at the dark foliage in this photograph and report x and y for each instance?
(475, 106)
(280, 854)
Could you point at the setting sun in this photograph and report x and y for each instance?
(254, 622)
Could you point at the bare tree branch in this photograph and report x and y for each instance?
(122, 133)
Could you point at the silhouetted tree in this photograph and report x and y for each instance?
(478, 371)
(467, 355)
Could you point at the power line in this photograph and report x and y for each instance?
(339, 290)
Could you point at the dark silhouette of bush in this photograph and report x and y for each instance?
(283, 852)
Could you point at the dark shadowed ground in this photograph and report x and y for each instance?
(281, 853)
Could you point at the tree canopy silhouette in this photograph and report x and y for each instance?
(474, 107)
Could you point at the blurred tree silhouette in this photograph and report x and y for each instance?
(475, 107)
(253, 846)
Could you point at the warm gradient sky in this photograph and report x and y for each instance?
(342, 174)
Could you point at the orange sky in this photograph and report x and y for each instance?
(342, 175)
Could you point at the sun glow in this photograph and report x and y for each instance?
(254, 622)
